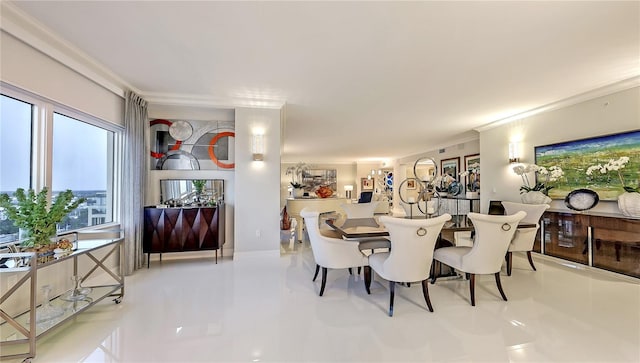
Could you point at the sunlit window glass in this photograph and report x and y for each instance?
(15, 155)
(83, 162)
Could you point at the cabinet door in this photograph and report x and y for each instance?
(566, 236)
(616, 244)
(153, 237)
(209, 228)
(172, 230)
(190, 222)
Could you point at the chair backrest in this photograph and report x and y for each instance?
(330, 252)
(360, 214)
(525, 238)
(365, 197)
(359, 210)
(493, 235)
(534, 211)
(412, 245)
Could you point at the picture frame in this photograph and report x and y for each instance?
(411, 183)
(366, 184)
(575, 157)
(451, 167)
(472, 162)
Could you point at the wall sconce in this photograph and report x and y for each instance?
(514, 154)
(348, 189)
(257, 147)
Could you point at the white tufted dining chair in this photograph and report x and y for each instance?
(492, 237)
(411, 255)
(524, 238)
(330, 253)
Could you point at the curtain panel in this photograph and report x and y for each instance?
(134, 180)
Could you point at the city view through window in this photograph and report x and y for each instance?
(81, 160)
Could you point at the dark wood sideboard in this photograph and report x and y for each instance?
(183, 229)
(609, 242)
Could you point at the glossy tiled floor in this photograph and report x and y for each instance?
(268, 310)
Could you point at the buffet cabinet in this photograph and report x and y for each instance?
(609, 242)
(183, 229)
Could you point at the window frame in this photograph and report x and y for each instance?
(42, 145)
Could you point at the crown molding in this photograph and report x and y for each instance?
(179, 99)
(22, 26)
(570, 101)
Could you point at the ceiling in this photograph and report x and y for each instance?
(361, 81)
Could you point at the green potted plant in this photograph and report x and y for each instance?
(34, 215)
(199, 184)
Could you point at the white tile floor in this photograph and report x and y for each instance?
(269, 310)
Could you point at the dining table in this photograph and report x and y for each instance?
(352, 231)
(367, 232)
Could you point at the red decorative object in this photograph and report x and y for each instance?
(324, 192)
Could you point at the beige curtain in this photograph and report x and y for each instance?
(134, 180)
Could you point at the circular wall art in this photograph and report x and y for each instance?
(180, 130)
(581, 199)
(159, 123)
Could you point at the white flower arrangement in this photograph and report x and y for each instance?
(613, 165)
(296, 174)
(551, 174)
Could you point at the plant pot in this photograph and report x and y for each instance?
(535, 198)
(472, 195)
(629, 204)
(298, 192)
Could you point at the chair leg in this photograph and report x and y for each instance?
(472, 288)
(367, 279)
(531, 261)
(504, 297)
(316, 274)
(425, 292)
(433, 271)
(392, 288)
(324, 280)
(509, 262)
(350, 271)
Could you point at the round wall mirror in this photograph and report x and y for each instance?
(425, 170)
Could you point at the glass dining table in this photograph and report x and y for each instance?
(351, 231)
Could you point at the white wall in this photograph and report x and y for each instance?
(27, 68)
(605, 115)
(257, 208)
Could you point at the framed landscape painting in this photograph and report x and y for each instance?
(575, 157)
(450, 167)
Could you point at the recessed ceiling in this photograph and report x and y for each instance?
(361, 80)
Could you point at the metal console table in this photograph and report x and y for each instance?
(21, 329)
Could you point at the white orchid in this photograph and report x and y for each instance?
(613, 165)
(551, 174)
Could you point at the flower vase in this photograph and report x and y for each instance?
(629, 204)
(298, 192)
(535, 197)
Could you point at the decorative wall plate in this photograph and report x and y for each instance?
(581, 199)
(180, 130)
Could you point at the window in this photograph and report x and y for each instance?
(83, 162)
(15, 155)
(43, 143)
